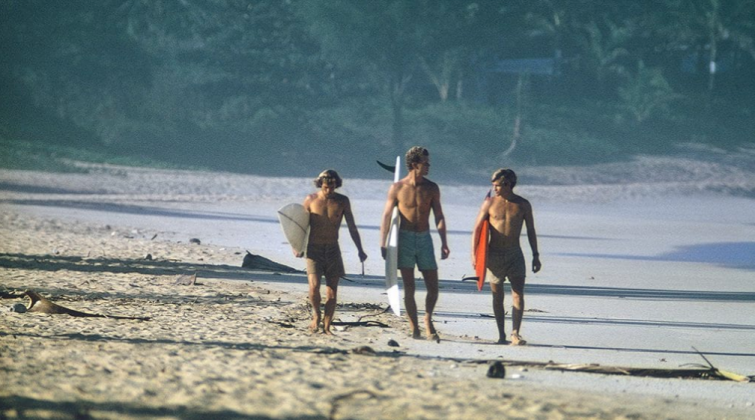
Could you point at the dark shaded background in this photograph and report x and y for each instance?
(291, 87)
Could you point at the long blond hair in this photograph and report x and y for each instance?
(328, 173)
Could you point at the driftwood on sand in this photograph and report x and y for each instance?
(709, 372)
(40, 304)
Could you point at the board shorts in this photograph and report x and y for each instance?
(325, 260)
(416, 248)
(505, 263)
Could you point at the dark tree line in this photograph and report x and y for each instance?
(245, 84)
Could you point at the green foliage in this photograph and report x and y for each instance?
(646, 94)
(542, 146)
(279, 87)
(456, 130)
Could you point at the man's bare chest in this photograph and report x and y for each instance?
(506, 211)
(327, 208)
(415, 197)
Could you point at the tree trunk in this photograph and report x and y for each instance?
(520, 93)
(438, 79)
(713, 24)
(459, 87)
(398, 86)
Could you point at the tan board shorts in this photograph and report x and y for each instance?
(506, 263)
(325, 260)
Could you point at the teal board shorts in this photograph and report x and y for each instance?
(416, 248)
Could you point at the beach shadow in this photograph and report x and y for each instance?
(189, 214)
(138, 266)
(641, 350)
(602, 321)
(29, 408)
(470, 287)
(54, 263)
(643, 294)
(740, 255)
(638, 323)
(599, 348)
(142, 210)
(35, 189)
(227, 345)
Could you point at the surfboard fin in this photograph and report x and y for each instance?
(388, 168)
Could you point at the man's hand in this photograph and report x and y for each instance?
(444, 251)
(297, 254)
(362, 256)
(536, 264)
(383, 251)
(474, 260)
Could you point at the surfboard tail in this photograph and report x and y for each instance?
(391, 257)
(394, 299)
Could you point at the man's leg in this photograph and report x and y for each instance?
(314, 300)
(330, 303)
(431, 283)
(500, 314)
(517, 310)
(407, 275)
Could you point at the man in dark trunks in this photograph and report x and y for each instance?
(327, 209)
(506, 213)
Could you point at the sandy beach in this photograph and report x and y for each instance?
(635, 274)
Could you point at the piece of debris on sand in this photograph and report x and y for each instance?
(258, 262)
(40, 304)
(187, 280)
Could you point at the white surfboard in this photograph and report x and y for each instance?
(295, 223)
(391, 255)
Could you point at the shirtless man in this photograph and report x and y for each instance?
(506, 212)
(415, 196)
(326, 210)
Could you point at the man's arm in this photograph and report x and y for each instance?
(307, 201)
(390, 203)
(440, 223)
(353, 231)
(529, 221)
(306, 204)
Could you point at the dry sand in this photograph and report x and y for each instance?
(236, 345)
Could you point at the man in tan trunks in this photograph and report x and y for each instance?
(326, 210)
(415, 197)
(506, 213)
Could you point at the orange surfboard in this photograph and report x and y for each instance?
(482, 253)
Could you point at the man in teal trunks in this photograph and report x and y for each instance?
(415, 197)
(507, 213)
(326, 210)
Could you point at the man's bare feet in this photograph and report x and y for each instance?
(432, 335)
(314, 327)
(517, 340)
(502, 341)
(415, 334)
